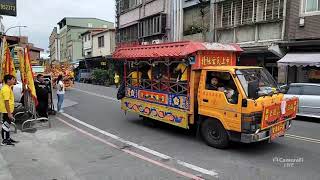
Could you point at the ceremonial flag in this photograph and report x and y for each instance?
(29, 76)
(7, 61)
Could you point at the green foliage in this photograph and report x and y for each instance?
(194, 29)
(103, 76)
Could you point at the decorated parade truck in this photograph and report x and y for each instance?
(193, 84)
(65, 69)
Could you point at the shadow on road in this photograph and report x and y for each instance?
(191, 135)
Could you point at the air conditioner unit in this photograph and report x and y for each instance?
(156, 41)
(145, 43)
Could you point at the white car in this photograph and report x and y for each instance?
(309, 98)
(17, 91)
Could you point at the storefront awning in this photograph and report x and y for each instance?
(301, 59)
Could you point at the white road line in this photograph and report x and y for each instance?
(145, 149)
(287, 135)
(303, 138)
(98, 95)
(196, 168)
(182, 173)
(150, 151)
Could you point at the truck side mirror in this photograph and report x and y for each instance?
(253, 89)
(284, 88)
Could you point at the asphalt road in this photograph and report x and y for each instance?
(97, 107)
(101, 142)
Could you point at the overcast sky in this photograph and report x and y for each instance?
(41, 16)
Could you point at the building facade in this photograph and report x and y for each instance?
(148, 21)
(87, 44)
(103, 43)
(54, 45)
(70, 35)
(302, 62)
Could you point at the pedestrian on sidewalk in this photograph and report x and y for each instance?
(42, 91)
(60, 92)
(116, 79)
(6, 108)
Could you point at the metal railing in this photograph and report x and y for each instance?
(174, 87)
(30, 108)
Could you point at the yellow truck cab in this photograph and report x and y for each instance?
(193, 84)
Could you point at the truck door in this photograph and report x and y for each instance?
(218, 97)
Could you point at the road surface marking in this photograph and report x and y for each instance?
(150, 151)
(182, 173)
(287, 135)
(303, 138)
(145, 149)
(98, 95)
(196, 168)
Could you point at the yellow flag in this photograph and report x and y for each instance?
(7, 61)
(22, 67)
(29, 76)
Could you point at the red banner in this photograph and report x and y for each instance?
(291, 108)
(271, 115)
(214, 58)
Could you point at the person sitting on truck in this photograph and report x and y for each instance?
(183, 72)
(135, 78)
(214, 84)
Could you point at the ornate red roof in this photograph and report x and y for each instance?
(171, 50)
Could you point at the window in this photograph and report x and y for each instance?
(89, 38)
(311, 90)
(90, 25)
(295, 90)
(151, 26)
(223, 82)
(232, 13)
(85, 38)
(129, 34)
(127, 4)
(101, 41)
(311, 6)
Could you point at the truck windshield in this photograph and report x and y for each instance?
(265, 84)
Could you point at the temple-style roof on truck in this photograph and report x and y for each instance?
(171, 50)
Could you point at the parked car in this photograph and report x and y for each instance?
(17, 91)
(309, 98)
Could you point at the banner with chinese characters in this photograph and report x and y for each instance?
(291, 108)
(271, 115)
(214, 58)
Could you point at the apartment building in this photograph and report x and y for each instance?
(54, 45)
(302, 61)
(148, 21)
(70, 35)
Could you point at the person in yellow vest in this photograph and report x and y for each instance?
(149, 74)
(6, 108)
(183, 70)
(116, 79)
(135, 78)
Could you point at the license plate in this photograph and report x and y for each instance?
(278, 130)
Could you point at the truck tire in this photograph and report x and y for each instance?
(214, 134)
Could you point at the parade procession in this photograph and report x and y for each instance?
(160, 90)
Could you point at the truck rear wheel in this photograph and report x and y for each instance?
(214, 134)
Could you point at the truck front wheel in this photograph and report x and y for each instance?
(214, 134)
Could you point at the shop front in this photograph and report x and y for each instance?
(302, 67)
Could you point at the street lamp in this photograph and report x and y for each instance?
(12, 28)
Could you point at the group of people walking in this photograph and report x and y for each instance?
(43, 96)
